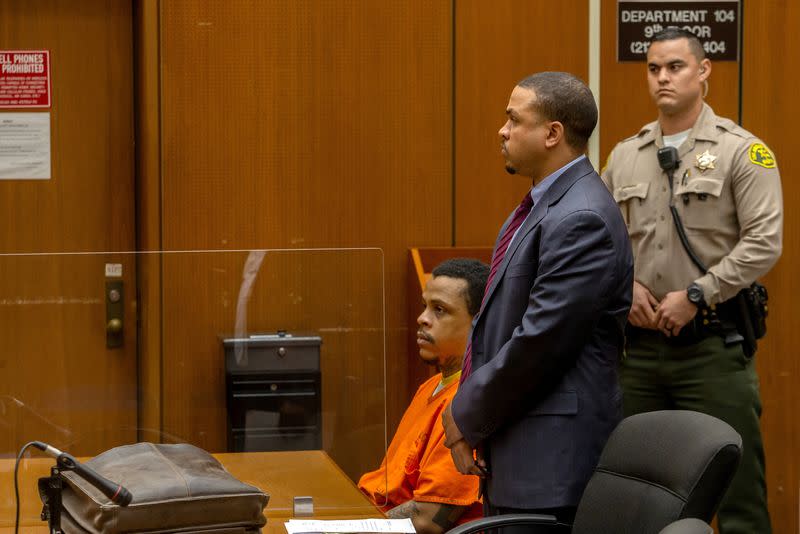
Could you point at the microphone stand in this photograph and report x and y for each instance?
(50, 492)
(50, 488)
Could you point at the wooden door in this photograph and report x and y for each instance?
(59, 383)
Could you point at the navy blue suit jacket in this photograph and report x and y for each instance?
(544, 394)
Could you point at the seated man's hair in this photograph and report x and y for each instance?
(474, 272)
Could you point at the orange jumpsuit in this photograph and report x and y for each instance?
(417, 465)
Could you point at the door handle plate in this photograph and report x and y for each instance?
(114, 314)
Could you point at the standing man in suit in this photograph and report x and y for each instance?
(539, 394)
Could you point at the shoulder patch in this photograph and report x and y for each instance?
(761, 155)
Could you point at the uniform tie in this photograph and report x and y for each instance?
(520, 214)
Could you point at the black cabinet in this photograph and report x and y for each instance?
(274, 393)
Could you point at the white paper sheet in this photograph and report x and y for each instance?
(305, 526)
(25, 146)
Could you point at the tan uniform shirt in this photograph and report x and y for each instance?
(727, 191)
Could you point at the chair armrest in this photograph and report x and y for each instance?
(544, 523)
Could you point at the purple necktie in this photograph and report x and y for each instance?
(522, 212)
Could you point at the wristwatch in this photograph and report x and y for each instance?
(695, 294)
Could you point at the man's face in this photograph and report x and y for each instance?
(444, 324)
(522, 137)
(674, 76)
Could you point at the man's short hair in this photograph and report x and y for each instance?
(562, 97)
(472, 271)
(671, 33)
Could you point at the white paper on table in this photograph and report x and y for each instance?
(298, 526)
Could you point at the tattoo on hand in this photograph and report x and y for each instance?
(407, 509)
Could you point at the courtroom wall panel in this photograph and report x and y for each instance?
(625, 104)
(59, 382)
(496, 45)
(148, 214)
(770, 108)
(301, 124)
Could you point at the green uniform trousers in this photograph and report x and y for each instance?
(711, 378)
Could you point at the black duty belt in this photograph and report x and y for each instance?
(719, 320)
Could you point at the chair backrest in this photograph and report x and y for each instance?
(688, 526)
(656, 468)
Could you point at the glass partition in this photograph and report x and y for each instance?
(273, 360)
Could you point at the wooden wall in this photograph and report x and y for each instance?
(59, 382)
(497, 45)
(770, 109)
(322, 124)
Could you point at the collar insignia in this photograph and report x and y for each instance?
(704, 161)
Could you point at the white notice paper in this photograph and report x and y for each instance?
(302, 526)
(25, 146)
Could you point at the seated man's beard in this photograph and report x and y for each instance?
(510, 169)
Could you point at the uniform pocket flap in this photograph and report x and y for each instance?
(629, 191)
(701, 186)
(558, 403)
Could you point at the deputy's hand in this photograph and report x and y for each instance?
(674, 312)
(643, 307)
(464, 459)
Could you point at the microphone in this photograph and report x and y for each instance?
(668, 158)
(115, 492)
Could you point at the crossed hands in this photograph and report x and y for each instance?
(669, 316)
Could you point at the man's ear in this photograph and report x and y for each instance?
(705, 69)
(555, 134)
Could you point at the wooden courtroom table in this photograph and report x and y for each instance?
(281, 475)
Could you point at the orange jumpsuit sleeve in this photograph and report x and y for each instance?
(439, 481)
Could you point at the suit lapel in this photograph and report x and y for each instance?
(553, 194)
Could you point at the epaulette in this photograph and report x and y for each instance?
(644, 131)
(733, 128)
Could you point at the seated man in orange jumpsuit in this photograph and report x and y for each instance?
(417, 478)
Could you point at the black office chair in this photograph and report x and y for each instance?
(689, 525)
(657, 468)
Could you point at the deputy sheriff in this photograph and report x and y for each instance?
(686, 346)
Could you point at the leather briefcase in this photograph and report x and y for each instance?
(176, 488)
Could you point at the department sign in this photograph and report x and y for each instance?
(716, 24)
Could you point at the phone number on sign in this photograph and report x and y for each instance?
(711, 47)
